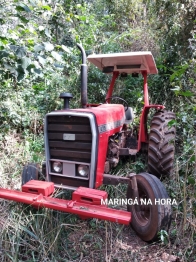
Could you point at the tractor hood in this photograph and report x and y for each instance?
(110, 117)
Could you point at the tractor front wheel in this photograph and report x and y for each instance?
(30, 172)
(152, 213)
(161, 144)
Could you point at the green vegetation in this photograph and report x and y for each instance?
(38, 60)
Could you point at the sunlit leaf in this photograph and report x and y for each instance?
(177, 88)
(66, 49)
(56, 56)
(37, 64)
(47, 7)
(82, 18)
(41, 60)
(30, 41)
(38, 48)
(26, 61)
(58, 66)
(41, 28)
(48, 46)
(4, 40)
(47, 33)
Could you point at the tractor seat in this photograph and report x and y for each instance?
(129, 115)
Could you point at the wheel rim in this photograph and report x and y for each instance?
(143, 214)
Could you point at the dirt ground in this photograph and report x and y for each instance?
(119, 243)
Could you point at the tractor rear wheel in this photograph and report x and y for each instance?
(153, 212)
(161, 144)
(30, 172)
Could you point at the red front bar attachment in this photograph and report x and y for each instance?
(83, 207)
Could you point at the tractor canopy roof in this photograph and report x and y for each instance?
(128, 62)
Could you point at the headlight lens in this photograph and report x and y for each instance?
(58, 167)
(83, 170)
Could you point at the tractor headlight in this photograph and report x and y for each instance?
(83, 170)
(57, 166)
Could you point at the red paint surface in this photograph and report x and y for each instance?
(70, 206)
(38, 187)
(106, 113)
(111, 87)
(91, 196)
(143, 134)
(145, 89)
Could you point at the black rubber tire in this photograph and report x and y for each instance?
(30, 172)
(44, 170)
(150, 219)
(161, 147)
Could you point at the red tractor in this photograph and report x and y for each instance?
(83, 145)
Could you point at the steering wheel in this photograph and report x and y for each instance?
(117, 97)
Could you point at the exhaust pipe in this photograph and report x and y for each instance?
(83, 77)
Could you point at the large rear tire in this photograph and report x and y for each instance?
(161, 146)
(148, 219)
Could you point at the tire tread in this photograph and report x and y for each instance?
(161, 144)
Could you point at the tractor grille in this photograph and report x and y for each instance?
(78, 149)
